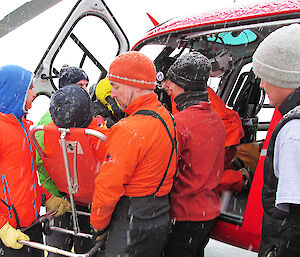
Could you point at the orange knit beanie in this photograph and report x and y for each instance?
(133, 69)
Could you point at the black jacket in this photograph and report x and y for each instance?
(276, 225)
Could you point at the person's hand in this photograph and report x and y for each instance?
(99, 235)
(237, 163)
(165, 85)
(61, 205)
(10, 236)
(247, 177)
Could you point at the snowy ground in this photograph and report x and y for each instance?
(218, 249)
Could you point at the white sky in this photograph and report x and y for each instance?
(26, 45)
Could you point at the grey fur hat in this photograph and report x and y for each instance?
(277, 58)
(190, 72)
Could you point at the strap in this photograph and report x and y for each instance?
(173, 140)
(5, 187)
(32, 165)
(15, 212)
(292, 114)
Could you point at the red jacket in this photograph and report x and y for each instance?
(232, 121)
(18, 174)
(138, 149)
(231, 180)
(201, 141)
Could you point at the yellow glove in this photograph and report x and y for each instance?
(10, 236)
(60, 204)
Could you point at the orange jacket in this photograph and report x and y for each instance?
(231, 180)
(231, 119)
(138, 150)
(18, 173)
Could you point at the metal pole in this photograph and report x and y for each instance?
(68, 174)
(70, 232)
(59, 251)
(76, 185)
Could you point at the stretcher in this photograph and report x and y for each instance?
(71, 162)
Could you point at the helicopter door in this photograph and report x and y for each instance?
(90, 38)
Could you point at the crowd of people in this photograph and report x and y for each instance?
(157, 192)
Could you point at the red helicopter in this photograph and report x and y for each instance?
(228, 37)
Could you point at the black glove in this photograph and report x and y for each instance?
(247, 177)
(99, 235)
(110, 122)
(118, 113)
(237, 164)
(99, 108)
(164, 98)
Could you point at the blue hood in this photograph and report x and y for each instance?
(14, 85)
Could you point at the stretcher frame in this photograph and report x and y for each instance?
(73, 187)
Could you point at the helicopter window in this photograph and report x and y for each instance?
(88, 50)
(234, 37)
(152, 51)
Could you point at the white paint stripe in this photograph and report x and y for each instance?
(133, 80)
(263, 152)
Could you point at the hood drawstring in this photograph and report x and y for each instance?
(11, 206)
(32, 166)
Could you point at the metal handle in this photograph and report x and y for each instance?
(96, 134)
(48, 216)
(35, 142)
(60, 251)
(70, 232)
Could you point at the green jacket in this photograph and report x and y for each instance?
(43, 175)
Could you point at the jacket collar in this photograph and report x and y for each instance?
(141, 103)
(190, 98)
(290, 102)
(201, 106)
(11, 118)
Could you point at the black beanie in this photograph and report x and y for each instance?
(70, 106)
(190, 72)
(71, 75)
